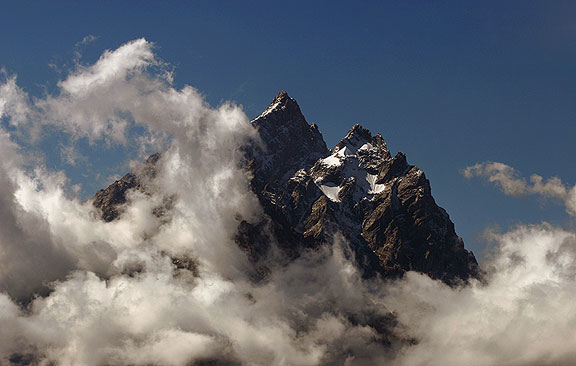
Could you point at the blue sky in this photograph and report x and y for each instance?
(449, 83)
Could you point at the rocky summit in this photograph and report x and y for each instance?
(378, 203)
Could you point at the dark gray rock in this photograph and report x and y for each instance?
(289, 144)
(110, 201)
(380, 204)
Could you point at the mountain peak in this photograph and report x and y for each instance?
(354, 139)
(289, 142)
(357, 136)
(283, 95)
(381, 205)
(359, 131)
(282, 102)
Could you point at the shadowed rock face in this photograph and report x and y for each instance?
(380, 204)
(289, 144)
(109, 201)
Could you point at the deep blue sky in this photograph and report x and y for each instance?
(449, 83)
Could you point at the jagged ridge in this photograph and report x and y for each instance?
(382, 205)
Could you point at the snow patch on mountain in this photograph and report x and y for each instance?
(332, 161)
(374, 187)
(330, 190)
(353, 157)
(270, 109)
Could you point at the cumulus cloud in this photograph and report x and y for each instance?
(522, 316)
(108, 293)
(75, 290)
(511, 183)
(28, 254)
(519, 315)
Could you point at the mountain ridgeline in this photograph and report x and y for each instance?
(378, 203)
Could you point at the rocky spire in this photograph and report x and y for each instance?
(371, 151)
(358, 132)
(381, 204)
(289, 143)
(282, 102)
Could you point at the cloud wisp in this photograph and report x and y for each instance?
(511, 183)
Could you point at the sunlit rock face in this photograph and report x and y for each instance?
(379, 203)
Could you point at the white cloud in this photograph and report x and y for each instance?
(112, 66)
(13, 102)
(115, 297)
(508, 179)
(521, 316)
(28, 254)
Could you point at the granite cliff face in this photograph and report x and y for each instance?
(380, 204)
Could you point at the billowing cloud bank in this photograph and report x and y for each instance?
(108, 293)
